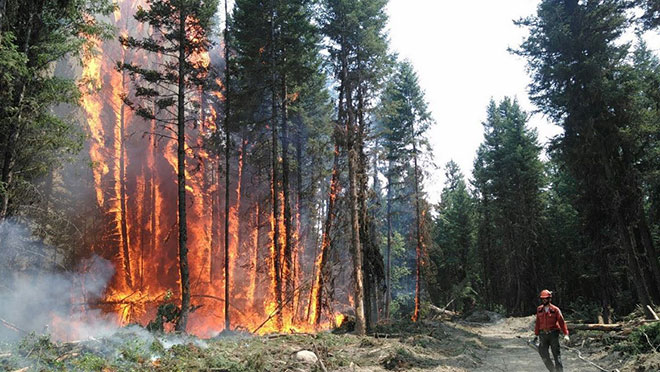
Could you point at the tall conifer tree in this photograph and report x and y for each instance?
(183, 27)
(509, 179)
(583, 83)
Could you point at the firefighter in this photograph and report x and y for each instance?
(549, 322)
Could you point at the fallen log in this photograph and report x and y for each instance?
(11, 326)
(595, 327)
(442, 312)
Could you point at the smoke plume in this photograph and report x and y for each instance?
(37, 294)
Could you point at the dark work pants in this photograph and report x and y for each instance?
(550, 340)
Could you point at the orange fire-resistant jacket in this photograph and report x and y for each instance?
(549, 321)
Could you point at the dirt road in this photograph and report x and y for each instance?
(509, 351)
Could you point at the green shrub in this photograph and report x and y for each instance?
(642, 340)
(89, 362)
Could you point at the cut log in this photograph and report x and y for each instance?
(595, 327)
(438, 312)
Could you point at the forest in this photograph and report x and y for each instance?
(262, 166)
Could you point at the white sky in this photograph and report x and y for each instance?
(459, 50)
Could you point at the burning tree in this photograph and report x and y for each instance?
(359, 56)
(180, 30)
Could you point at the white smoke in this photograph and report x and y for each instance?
(38, 295)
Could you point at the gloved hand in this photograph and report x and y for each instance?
(567, 339)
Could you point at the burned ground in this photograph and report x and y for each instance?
(450, 346)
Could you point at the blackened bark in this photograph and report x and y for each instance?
(122, 190)
(275, 177)
(321, 273)
(181, 178)
(227, 153)
(288, 269)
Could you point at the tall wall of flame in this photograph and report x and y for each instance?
(134, 171)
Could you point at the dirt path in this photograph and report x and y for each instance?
(509, 351)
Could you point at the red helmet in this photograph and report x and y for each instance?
(545, 294)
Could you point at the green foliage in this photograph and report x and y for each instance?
(509, 179)
(167, 313)
(402, 359)
(644, 339)
(90, 363)
(39, 351)
(158, 89)
(604, 96)
(134, 351)
(402, 121)
(36, 36)
(456, 269)
(584, 310)
(402, 305)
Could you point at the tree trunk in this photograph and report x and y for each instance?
(651, 252)
(319, 282)
(122, 190)
(288, 268)
(227, 154)
(360, 326)
(316, 299)
(356, 250)
(276, 254)
(633, 266)
(645, 266)
(418, 235)
(388, 267)
(181, 178)
(371, 258)
(626, 240)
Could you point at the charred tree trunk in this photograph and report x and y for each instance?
(316, 300)
(275, 178)
(227, 154)
(301, 242)
(122, 190)
(321, 271)
(181, 179)
(288, 269)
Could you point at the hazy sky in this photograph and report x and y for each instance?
(459, 50)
